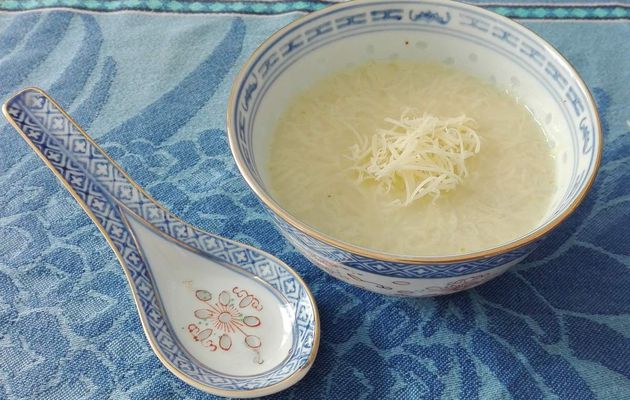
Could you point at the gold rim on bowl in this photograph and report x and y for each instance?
(387, 257)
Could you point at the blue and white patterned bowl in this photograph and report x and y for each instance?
(470, 38)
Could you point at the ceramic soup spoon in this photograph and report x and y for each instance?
(222, 316)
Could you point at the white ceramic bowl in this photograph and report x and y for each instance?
(480, 42)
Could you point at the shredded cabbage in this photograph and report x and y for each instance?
(425, 154)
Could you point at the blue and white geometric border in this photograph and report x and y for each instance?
(453, 19)
(107, 194)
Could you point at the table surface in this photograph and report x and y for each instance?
(147, 84)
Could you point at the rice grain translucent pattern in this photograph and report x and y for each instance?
(441, 31)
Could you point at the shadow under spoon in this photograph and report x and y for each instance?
(224, 317)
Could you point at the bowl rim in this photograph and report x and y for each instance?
(294, 222)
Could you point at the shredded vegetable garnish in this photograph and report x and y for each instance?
(422, 154)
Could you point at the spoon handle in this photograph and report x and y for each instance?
(81, 165)
(102, 188)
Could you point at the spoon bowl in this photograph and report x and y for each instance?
(222, 316)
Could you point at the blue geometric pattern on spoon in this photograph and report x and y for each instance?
(222, 316)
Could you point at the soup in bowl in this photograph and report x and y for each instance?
(413, 148)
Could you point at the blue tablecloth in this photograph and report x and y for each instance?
(149, 87)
